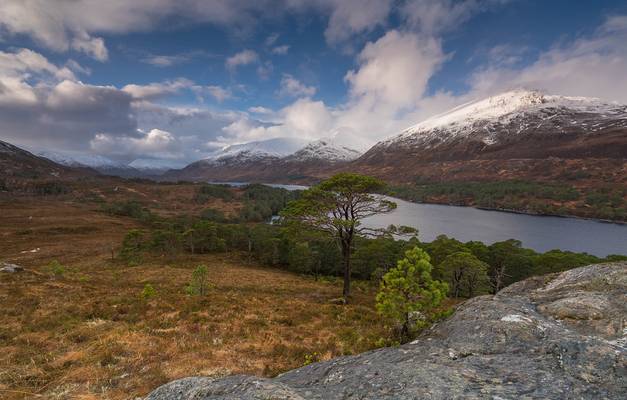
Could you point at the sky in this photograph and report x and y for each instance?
(168, 82)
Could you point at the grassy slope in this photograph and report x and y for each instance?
(88, 334)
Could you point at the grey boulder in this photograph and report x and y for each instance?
(6, 267)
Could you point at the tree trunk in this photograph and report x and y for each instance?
(346, 254)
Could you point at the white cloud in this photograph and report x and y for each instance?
(395, 69)
(76, 67)
(303, 119)
(244, 57)
(92, 46)
(386, 88)
(76, 24)
(157, 89)
(264, 70)
(291, 86)
(24, 62)
(270, 40)
(436, 16)
(588, 66)
(164, 61)
(72, 24)
(155, 143)
(14, 91)
(260, 110)
(217, 92)
(350, 17)
(63, 115)
(281, 50)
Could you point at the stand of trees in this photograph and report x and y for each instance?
(555, 198)
(469, 269)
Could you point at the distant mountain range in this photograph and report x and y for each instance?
(140, 168)
(519, 134)
(270, 160)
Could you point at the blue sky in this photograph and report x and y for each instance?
(172, 81)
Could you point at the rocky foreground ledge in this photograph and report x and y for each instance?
(561, 336)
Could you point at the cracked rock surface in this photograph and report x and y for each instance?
(561, 336)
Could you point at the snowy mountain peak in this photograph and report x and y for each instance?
(276, 148)
(327, 150)
(501, 105)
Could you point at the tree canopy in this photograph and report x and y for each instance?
(337, 206)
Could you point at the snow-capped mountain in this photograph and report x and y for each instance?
(520, 134)
(256, 151)
(511, 114)
(271, 160)
(82, 160)
(139, 168)
(324, 150)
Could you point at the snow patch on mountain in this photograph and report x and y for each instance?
(254, 151)
(325, 150)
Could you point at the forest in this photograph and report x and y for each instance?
(250, 232)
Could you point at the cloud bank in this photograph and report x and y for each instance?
(46, 104)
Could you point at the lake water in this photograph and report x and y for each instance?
(540, 233)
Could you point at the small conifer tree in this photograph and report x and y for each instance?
(199, 285)
(409, 288)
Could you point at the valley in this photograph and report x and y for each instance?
(104, 307)
(85, 331)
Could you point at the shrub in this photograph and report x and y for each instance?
(132, 245)
(56, 268)
(50, 188)
(211, 214)
(130, 208)
(206, 192)
(199, 285)
(148, 292)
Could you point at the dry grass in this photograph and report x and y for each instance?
(88, 334)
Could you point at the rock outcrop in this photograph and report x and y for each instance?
(561, 336)
(6, 267)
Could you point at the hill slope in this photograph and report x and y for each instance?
(18, 164)
(547, 337)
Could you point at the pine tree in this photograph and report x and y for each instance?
(409, 288)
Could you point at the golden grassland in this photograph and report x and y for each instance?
(87, 333)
